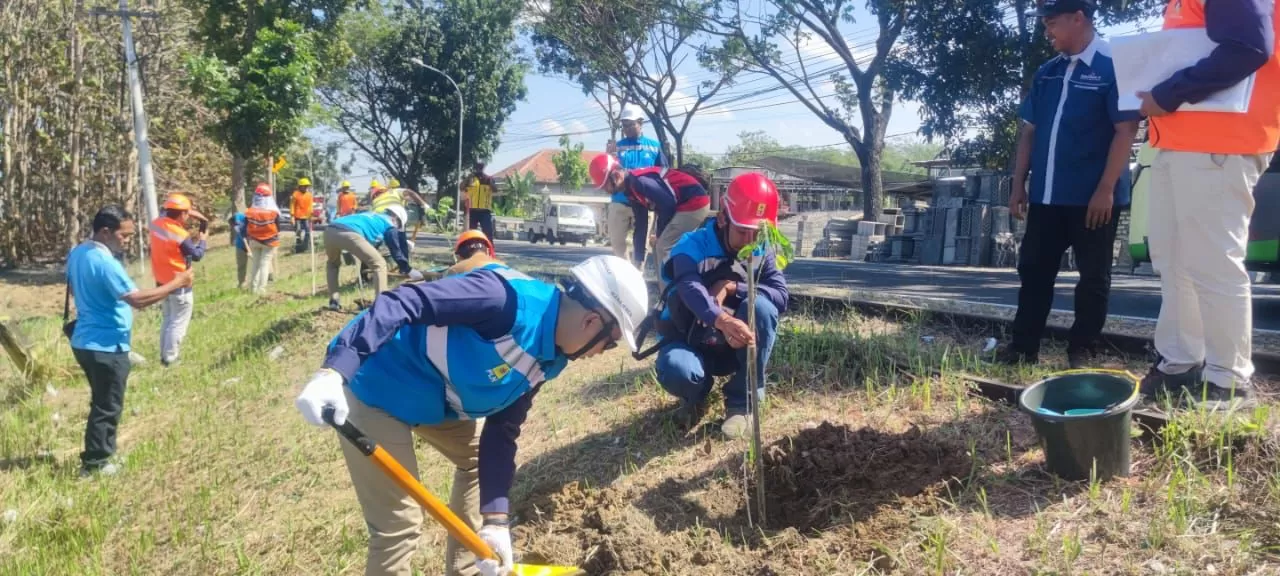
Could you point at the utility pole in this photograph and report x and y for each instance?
(140, 140)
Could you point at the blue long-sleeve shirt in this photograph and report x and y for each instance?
(193, 251)
(479, 300)
(397, 243)
(688, 280)
(1246, 39)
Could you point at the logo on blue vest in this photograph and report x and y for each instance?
(499, 372)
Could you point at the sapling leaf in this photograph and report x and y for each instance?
(770, 237)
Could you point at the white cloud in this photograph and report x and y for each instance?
(575, 127)
(549, 126)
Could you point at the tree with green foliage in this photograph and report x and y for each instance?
(971, 62)
(897, 157)
(638, 49)
(258, 70)
(405, 117)
(571, 169)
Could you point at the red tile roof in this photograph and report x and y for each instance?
(544, 171)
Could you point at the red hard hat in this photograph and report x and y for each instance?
(262, 190)
(600, 168)
(751, 199)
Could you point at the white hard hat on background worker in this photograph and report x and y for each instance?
(631, 113)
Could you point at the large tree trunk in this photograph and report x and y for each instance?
(870, 157)
(237, 183)
(71, 221)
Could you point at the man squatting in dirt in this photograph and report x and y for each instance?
(457, 362)
(703, 323)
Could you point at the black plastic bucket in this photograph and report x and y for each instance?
(1083, 418)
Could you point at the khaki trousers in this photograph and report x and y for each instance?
(1199, 232)
(395, 519)
(620, 222)
(242, 267)
(682, 223)
(260, 271)
(337, 240)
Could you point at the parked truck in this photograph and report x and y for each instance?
(563, 222)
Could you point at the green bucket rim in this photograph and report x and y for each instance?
(1124, 406)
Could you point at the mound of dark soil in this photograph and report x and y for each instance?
(830, 474)
(832, 492)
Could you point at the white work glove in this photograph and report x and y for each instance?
(499, 539)
(324, 389)
(415, 275)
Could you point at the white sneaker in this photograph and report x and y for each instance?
(108, 469)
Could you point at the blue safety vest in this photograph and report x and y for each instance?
(369, 225)
(428, 374)
(703, 246)
(635, 153)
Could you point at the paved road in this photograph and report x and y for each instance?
(1130, 295)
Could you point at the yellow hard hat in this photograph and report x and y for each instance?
(304, 181)
(394, 183)
(346, 184)
(375, 185)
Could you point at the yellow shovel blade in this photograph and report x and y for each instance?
(530, 570)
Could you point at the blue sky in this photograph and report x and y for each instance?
(555, 106)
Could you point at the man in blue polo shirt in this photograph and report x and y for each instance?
(632, 151)
(1075, 143)
(105, 298)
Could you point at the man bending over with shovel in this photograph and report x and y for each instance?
(457, 362)
(703, 327)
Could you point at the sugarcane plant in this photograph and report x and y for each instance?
(768, 241)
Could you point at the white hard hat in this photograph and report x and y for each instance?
(399, 213)
(632, 113)
(620, 288)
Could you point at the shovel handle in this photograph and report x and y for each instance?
(438, 510)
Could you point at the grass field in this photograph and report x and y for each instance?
(869, 470)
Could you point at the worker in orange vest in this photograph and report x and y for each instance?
(262, 230)
(300, 207)
(346, 200)
(173, 250)
(1202, 200)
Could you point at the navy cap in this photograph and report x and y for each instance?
(1057, 7)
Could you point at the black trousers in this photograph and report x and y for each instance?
(108, 374)
(482, 220)
(1050, 231)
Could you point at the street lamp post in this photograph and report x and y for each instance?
(457, 190)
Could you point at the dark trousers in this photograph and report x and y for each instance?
(1050, 231)
(301, 234)
(108, 374)
(482, 219)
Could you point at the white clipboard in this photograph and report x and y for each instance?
(1144, 60)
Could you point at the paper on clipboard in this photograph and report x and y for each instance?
(1144, 60)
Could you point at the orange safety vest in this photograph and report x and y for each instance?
(302, 205)
(167, 259)
(1254, 132)
(346, 204)
(260, 224)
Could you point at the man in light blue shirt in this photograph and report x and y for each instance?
(633, 151)
(105, 298)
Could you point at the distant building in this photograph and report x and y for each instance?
(544, 172)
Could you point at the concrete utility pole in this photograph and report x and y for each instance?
(140, 140)
(457, 194)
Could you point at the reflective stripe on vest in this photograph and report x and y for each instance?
(388, 199)
(1254, 132)
(261, 225)
(167, 259)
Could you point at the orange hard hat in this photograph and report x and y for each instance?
(177, 201)
(472, 236)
